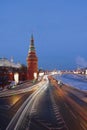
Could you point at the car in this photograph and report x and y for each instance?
(60, 83)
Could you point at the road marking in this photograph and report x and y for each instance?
(56, 110)
(58, 117)
(57, 114)
(61, 122)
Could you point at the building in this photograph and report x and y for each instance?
(4, 62)
(32, 61)
(7, 70)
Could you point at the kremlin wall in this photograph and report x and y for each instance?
(9, 68)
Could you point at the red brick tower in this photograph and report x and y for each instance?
(32, 61)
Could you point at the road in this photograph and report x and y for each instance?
(72, 110)
(50, 108)
(12, 100)
(19, 89)
(9, 106)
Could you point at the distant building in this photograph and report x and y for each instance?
(7, 70)
(32, 62)
(4, 62)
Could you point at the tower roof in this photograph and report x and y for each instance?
(32, 47)
(32, 38)
(32, 51)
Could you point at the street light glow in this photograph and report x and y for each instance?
(16, 78)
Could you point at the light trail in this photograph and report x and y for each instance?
(21, 113)
(21, 90)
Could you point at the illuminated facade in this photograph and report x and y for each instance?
(8, 69)
(32, 61)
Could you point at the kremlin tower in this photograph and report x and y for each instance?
(32, 61)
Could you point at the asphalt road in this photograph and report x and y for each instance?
(44, 113)
(12, 100)
(9, 106)
(51, 109)
(47, 108)
(73, 114)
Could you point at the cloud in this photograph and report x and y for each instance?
(81, 62)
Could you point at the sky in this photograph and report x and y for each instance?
(59, 28)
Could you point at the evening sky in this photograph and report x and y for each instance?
(59, 28)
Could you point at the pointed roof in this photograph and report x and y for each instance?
(32, 47)
(32, 51)
(32, 38)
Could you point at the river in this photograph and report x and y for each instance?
(77, 81)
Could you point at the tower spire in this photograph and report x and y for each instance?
(32, 36)
(32, 47)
